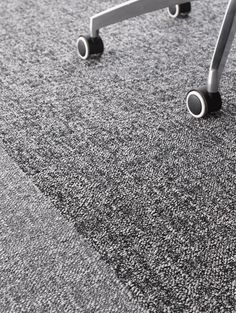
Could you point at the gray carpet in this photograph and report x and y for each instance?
(110, 143)
(45, 265)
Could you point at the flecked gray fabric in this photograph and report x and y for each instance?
(45, 265)
(111, 144)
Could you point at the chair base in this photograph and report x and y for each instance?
(179, 10)
(87, 47)
(199, 102)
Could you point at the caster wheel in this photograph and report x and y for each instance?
(88, 46)
(200, 102)
(180, 10)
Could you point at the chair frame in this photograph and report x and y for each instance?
(209, 99)
(133, 8)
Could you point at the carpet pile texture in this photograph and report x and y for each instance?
(45, 266)
(111, 144)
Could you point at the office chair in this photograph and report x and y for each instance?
(199, 101)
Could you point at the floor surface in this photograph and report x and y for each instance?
(110, 144)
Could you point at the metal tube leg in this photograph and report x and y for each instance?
(223, 47)
(127, 10)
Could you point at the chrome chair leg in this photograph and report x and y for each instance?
(208, 99)
(92, 44)
(223, 47)
(200, 101)
(129, 9)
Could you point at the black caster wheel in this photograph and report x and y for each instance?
(88, 46)
(180, 10)
(201, 102)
